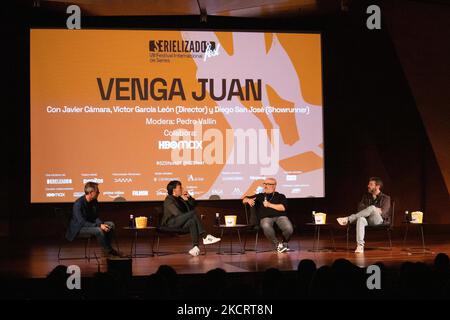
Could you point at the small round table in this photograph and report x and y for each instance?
(415, 250)
(317, 237)
(236, 228)
(134, 241)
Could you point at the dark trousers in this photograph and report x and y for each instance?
(188, 222)
(104, 238)
(282, 222)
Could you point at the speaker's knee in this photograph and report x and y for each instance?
(266, 226)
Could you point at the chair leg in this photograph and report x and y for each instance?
(88, 245)
(256, 241)
(240, 241)
(219, 250)
(348, 229)
(406, 236)
(332, 238)
(153, 244)
(157, 246)
(59, 250)
(390, 238)
(423, 238)
(245, 240)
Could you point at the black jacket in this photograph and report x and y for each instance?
(85, 214)
(174, 206)
(382, 201)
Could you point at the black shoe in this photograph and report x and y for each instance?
(114, 253)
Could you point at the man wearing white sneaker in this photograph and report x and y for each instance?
(179, 213)
(374, 209)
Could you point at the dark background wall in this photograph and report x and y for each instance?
(371, 120)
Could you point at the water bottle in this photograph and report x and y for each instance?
(407, 217)
(131, 221)
(217, 219)
(150, 221)
(313, 216)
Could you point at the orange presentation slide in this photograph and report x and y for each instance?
(134, 109)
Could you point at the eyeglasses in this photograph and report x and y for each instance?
(268, 184)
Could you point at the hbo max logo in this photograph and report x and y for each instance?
(190, 145)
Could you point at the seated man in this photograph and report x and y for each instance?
(179, 213)
(85, 220)
(271, 208)
(374, 209)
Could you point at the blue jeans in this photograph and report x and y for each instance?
(368, 216)
(104, 238)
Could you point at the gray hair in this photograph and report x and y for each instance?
(272, 179)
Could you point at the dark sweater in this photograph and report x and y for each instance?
(275, 198)
(382, 201)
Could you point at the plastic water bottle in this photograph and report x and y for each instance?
(131, 221)
(313, 216)
(150, 221)
(217, 219)
(407, 217)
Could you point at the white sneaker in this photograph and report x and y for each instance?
(359, 249)
(281, 248)
(342, 221)
(195, 251)
(209, 239)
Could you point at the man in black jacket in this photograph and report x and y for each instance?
(85, 220)
(373, 209)
(179, 213)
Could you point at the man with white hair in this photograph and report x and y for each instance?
(271, 207)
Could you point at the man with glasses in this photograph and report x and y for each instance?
(271, 207)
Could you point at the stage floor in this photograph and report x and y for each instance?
(28, 259)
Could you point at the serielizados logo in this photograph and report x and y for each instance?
(180, 46)
(175, 48)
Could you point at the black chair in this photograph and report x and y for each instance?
(387, 225)
(252, 222)
(64, 216)
(162, 231)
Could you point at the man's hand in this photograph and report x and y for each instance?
(266, 204)
(185, 196)
(104, 227)
(250, 201)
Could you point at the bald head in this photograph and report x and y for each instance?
(270, 185)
